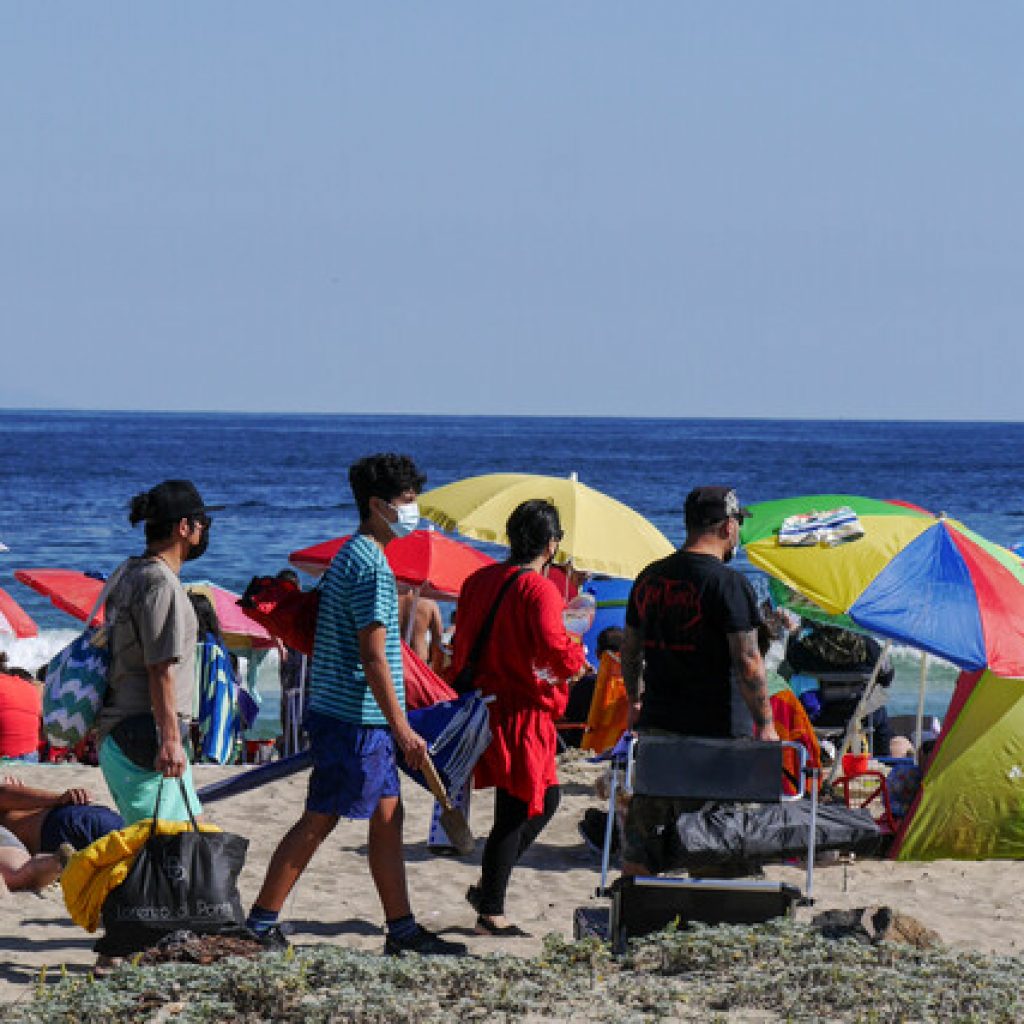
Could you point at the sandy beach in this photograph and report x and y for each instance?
(972, 906)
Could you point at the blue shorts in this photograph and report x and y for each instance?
(353, 766)
(78, 825)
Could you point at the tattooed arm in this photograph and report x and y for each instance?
(753, 683)
(632, 658)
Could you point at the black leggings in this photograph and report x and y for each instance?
(511, 836)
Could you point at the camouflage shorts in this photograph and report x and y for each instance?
(650, 837)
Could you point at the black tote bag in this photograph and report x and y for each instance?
(182, 882)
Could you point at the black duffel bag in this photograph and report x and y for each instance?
(187, 881)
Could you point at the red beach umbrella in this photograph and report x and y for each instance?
(73, 592)
(76, 593)
(433, 563)
(14, 619)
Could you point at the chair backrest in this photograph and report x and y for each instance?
(702, 768)
(835, 686)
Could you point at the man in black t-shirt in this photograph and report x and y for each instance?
(691, 622)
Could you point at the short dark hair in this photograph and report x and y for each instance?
(531, 527)
(290, 575)
(384, 476)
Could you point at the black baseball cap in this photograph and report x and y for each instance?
(706, 506)
(173, 500)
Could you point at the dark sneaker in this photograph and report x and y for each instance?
(425, 943)
(273, 940)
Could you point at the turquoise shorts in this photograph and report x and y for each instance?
(134, 789)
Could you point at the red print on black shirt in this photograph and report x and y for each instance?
(670, 611)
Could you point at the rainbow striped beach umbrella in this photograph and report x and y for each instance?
(917, 578)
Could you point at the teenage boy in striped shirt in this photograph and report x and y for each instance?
(356, 714)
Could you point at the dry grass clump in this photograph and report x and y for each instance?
(780, 971)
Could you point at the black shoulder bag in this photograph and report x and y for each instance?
(464, 680)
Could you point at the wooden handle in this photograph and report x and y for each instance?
(434, 783)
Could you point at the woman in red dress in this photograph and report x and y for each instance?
(524, 665)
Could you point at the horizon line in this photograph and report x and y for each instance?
(248, 413)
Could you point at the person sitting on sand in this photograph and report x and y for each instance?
(21, 715)
(20, 871)
(43, 819)
(905, 775)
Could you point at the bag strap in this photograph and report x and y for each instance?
(485, 630)
(108, 586)
(156, 807)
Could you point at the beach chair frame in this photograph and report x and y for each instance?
(737, 771)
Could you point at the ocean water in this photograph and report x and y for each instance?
(68, 477)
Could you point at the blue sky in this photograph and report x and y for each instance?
(672, 209)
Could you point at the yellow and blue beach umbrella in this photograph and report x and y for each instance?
(917, 578)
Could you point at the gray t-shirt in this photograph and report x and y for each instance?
(154, 622)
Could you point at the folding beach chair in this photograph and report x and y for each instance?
(718, 771)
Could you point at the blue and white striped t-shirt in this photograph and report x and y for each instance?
(359, 590)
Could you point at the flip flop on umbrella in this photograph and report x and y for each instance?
(600, 533)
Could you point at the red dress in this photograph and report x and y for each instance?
(528, 642)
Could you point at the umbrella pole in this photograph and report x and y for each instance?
(922, 687)
(858, 714)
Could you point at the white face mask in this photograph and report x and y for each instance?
(407, 521)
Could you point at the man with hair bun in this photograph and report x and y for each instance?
(148, 704)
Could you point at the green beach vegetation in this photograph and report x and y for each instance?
(779, 971)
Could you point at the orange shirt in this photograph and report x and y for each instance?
(21, 711)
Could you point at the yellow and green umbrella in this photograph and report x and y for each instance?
(600, 533)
